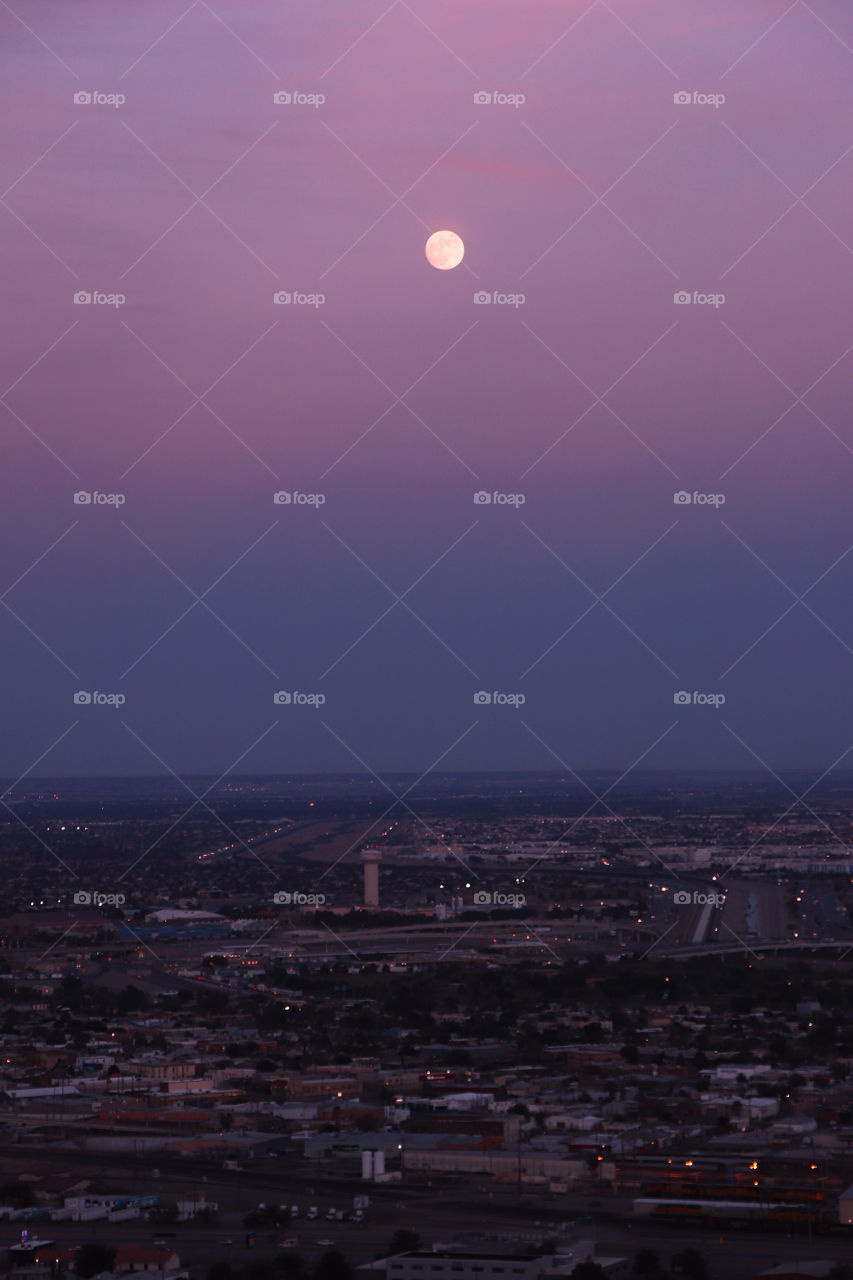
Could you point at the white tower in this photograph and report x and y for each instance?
(371, 877)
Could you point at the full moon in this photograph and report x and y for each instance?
(444, 250)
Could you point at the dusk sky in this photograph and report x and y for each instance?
(588, 197)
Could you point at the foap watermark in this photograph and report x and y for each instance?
(483, 698)
(482, 498)
(697, 898)
(684, 698)
(293, 698)
(684, 298)
(497, 98)
(85, 698)
(94, 498)
(486, 298)
(684, 98)
(295, 498)
(293, 298)
(296, 98)
(684, 499)
(484, 898)
(94, 898)
(95, 98)
(83, 298)
(286, 898)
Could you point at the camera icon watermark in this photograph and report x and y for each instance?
(82, 98)
(483, 498)
(683, 298)
(293, 497)
(96, 298)
(288, 698)
(684, 499)
(296, 98)
(294, 298)
(83, 498)
(696, 699)
(83, 898)
(697, 898)
(484, 898)
(484, 298)
(83, 698)
(497, 98)
(483, 698)
(682, 98)
(285, 898)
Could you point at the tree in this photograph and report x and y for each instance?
(588, 1270)
(404, 1241)
(220, 1270)
(17, 1194)
(92, 1259)
(333, 1266)
(691, 1264)
(646, 1263)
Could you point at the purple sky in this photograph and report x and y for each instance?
(598, 199)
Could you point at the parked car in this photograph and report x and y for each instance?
(312, 1213)
(332, 1215)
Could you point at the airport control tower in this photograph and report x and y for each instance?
(371, 877)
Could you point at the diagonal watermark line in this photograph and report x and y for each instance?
(399, 399)
(777, 822)
(437, 37)
(408, 590)
(359, 39)
(782, 783)
(199, 399)
(759, 39)
(399, 599)
(39, 359)
(38, 161)
(599, 199)
(198, 799)
(599, 400)
(200, 599)
(160, 38)
(199, 199)
(39, 559)
(559, 40)
(35, 435)
(659, 940)
(638, 38)
(401, 797)
(797, 399)
(398, 199)
(599, 599)
(798, 199)
(798, 599)
(600, 799)
(239, 39)
(18, 817)
(37, 37)
(825, 25)
(37, 637)
(36, 236)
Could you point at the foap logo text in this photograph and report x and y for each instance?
(684, 499)
(293, 698)
(697, 898)
(495, 698)
(684, 698)
(85, 698)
